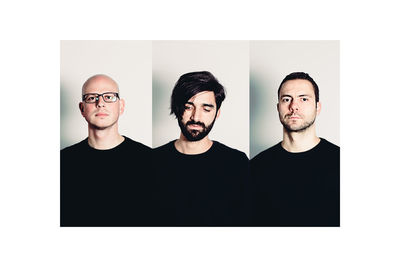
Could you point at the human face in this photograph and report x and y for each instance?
(199, 116)
(101, 115)
(297, 107)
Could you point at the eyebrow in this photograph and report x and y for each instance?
(303, 95)
(204, 104)
(282, 96)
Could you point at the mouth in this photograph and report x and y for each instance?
(101, 115)
(195, 126)
(293, 117)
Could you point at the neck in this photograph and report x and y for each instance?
(104, 138)
(300, 141)
(192, 147)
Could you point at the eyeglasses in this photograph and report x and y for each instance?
(108, 97)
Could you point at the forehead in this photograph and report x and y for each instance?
(205, 97)
(297, 87)
(100, 85)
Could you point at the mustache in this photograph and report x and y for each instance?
(195, 123)
(293, 114)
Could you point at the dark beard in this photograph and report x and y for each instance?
(301, 128)
(195, 135)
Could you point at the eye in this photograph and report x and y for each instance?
(188, 107)
(207, 110)
(285, 99)
(109, 97)
(304, 99)
(90, 98)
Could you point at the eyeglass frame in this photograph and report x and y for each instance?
(98, 97)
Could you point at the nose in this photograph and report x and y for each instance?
(294, 106)
(100, 102)
(195, 115)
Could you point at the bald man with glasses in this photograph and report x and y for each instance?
(103, 178)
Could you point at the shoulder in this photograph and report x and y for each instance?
(167, 148)
(228, 151)
(74, 154)
(134, 144)
(75, 147)
(267, 153)
(164, 154)
(134, 150)
(328, 146)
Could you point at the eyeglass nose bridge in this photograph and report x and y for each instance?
(102, 96)
(98, 99)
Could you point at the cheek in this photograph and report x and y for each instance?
(186, 115)
(115, 110)
(281, 110)
(209, 116)
(283, 106)
(310, 109)
(87, 111)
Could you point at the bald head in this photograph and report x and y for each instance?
(100, 79)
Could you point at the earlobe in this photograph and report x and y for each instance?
(318, 107)
(81, 108)
(121, 106)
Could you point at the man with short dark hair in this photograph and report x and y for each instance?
(296, 182)
(201, 181)
(102, 177)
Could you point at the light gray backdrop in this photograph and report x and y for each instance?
(146, 72)
(270, 62)
(228, 61)
(128, 63)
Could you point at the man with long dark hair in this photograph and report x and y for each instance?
(201, 181)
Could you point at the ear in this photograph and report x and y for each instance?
(318, 107)
(121, 106)
(218, 112)
(81, 107)
(277, 107)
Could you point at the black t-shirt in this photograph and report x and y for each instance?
(296, 189)
(105, 187)
(206, 189)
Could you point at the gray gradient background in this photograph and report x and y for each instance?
(128, 63)
(250, 71)
(270, 62)
(228, 61)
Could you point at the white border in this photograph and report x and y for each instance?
(30, 235)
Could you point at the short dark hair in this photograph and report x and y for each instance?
(192, 83)
(302, 76)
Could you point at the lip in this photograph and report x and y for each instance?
(101, 115)
(194, 126)
(293, 117)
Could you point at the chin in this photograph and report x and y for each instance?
(101, 126)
